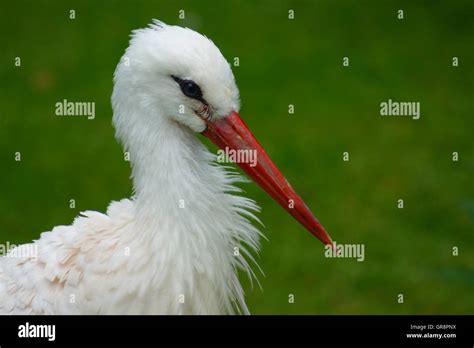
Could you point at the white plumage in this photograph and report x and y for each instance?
(169, 249)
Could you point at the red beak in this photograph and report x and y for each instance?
(231, 133)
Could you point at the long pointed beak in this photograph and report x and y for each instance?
(231, 133)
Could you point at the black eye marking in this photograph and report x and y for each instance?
(190, 89)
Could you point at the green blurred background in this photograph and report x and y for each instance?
(282, 61)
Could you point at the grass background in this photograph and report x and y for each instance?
(282, 62)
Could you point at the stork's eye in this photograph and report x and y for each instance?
(189, 88)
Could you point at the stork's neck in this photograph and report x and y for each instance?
(186, 215)
(169, 167)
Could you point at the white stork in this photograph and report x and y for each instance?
(171, 248)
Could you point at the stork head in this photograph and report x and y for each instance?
(182, 76)
(179, 71)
